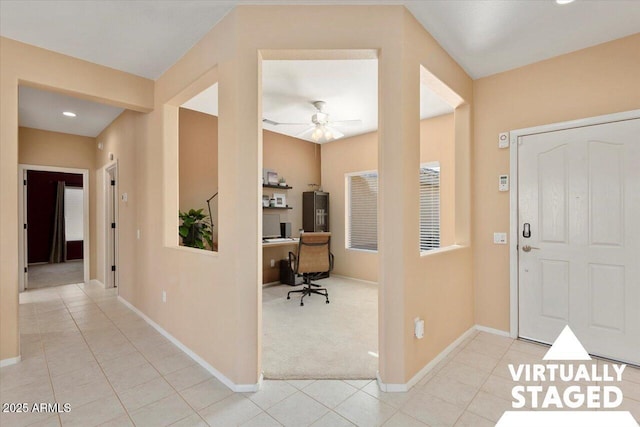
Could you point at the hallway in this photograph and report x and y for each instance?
(47, 275)
(81, 346)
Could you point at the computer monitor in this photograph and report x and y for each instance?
(270, 226)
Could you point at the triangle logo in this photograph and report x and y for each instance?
(567, 347)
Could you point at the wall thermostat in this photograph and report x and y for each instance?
(503, 183)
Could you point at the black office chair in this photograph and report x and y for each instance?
(312, 262)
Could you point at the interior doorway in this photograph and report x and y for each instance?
(54, 208)
(319, 128)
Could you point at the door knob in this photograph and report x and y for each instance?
(528, 248)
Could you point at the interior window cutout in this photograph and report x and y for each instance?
(198, 171)
(436, 168)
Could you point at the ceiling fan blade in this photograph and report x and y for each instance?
(346, 122)
(274, 123)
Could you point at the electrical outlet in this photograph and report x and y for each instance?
(273, 263)
(138, 234)
(164, 296)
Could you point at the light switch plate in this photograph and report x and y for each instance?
(418, 328)
(500, 238)
(503, 140)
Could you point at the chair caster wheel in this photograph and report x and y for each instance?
(301, 303)
(288, 297)
(327, 302)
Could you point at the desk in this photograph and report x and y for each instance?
(275, 251)
(292, 242)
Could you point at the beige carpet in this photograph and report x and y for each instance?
(321, 340)
(64, 273)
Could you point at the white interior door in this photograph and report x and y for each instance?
(111, 258)
(579, 193)
(25, 234)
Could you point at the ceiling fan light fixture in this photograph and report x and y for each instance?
(322, 133)
(318, 133)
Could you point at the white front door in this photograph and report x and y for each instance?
(579, 203)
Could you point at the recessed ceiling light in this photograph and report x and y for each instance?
(564, 1)
(69, 114)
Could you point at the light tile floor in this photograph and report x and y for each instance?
(80, 345)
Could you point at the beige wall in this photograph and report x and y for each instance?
(45, 148)
(218, 295)
(444, 300)
(360, 153)
(298, 161)
(599, 80)
(121, 139)
(355, 154)
(29, 65)
(226, 285)
(198, 157)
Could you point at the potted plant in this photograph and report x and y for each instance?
(195, 229)
(282, 182)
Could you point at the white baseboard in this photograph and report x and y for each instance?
(493, 331)
(239, 388)
(353, 278)
(399, 388)
(277, 282)
(10, 361)
(96, 282)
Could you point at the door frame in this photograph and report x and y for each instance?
(22, 214)
(111, 169)
(514, 230)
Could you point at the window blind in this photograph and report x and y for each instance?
(362, 224)
(429, 208)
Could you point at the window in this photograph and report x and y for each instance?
(362, 213)
(429, 206)
(74, 213)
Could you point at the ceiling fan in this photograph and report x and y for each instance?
(321, 129)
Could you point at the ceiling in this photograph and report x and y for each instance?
(349, 87)
(41, 109)
(146, 37)
(491, 36)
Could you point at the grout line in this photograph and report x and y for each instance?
(46, 361)
(152, 365)
(263, 412)
(98, 363)
(479, 389)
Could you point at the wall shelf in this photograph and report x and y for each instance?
(276, 186)
(277, 207)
